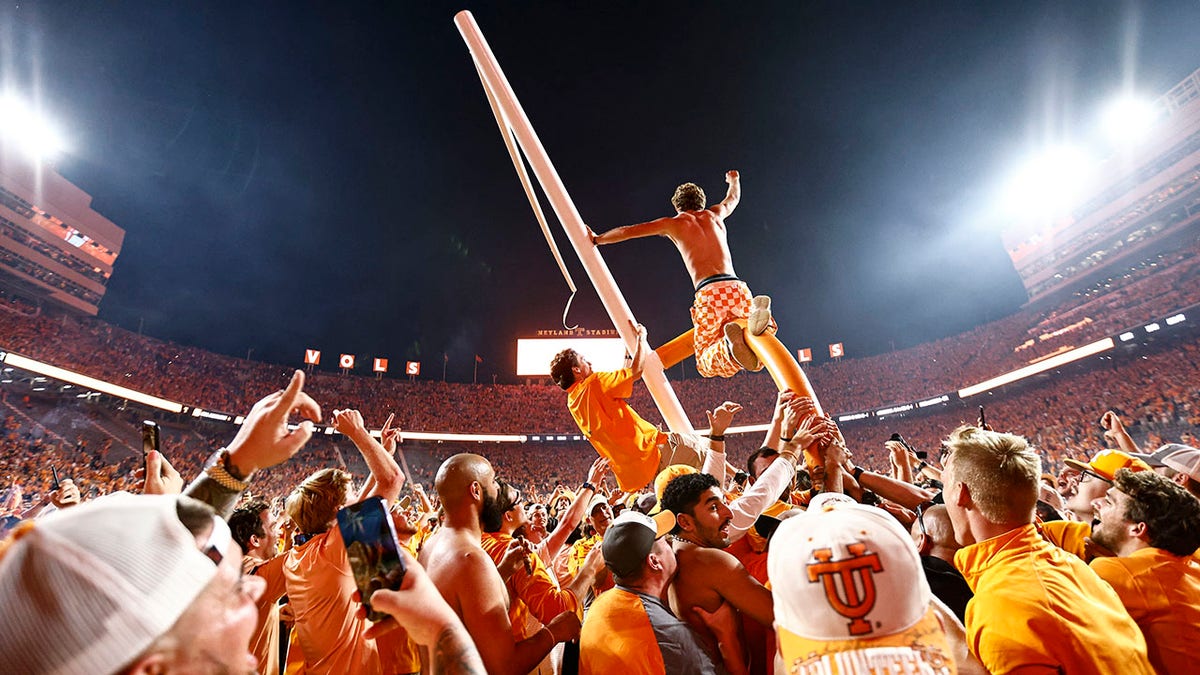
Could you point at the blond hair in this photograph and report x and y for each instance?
(313, 504)
(1000, 470)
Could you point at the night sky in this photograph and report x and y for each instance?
(330, 176)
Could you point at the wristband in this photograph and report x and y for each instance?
(922, 465)
(220, 473)
(587, 486)
(717, 437)
(857, 472)
(785, 439)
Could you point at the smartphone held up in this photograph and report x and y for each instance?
(371, 545)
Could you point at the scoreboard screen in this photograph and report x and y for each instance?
(534, 354)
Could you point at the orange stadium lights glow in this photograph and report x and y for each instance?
(64, 375)
(1039, 367)
(479, 438)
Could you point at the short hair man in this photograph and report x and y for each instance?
(1036, 607)
(933, 534)
(1153, 525)
(1095, 477)
(708, 577)
(636, 450)
(630, 629)
(467, 577)
(850, 595)
(255, 530)
(721, 298)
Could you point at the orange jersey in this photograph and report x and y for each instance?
(1161, 591)
(1037, 605)
(630, 443)
(320, 585)
(533, 594)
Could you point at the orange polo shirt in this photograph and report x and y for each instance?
(320, 585)
(1161, 591)
(630, 443)
(1037, 605)
(534, 594)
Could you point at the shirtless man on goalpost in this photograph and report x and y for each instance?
(721, 297)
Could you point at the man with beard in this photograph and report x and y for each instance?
(469, 580)
(1153, 525)
(708, 578)
(534, 595)
(1095, 478)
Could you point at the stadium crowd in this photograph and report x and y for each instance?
(541, 557)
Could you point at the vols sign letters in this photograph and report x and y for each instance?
(346, 361)
(836, 351)
(804, 355)
(312, 357)
(412, 368)
(380, 366)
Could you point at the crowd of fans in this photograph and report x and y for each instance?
(196, 377)
(526, 557)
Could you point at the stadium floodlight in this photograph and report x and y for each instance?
(1150, 328)
(1049, 183)
(1178, 318)
(1127, 336)
(22, 125)
(1127, 120)
(1039, 367)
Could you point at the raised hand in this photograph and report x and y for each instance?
(264, 439)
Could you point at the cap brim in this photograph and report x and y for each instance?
(1078, 465)
(664, 522)
(926, 638)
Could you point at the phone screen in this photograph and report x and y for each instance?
(149, 437)
(371, 545)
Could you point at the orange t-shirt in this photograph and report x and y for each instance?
(535, 597)
(1161, 592)
(619, 434)
(265, 643)
(320, 586)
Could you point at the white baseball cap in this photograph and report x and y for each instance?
(850, 593)
(87, 589)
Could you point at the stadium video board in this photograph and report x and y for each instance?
(534, 354)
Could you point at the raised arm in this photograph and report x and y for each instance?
(384, 469)
(639, 352)
(732, 197)
(575, 512)
(658, 226)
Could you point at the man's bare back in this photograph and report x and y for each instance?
(698, 234)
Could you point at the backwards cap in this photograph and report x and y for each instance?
(630, 538)
(849, 591)
(87, 589)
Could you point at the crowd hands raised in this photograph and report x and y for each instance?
(504, 573)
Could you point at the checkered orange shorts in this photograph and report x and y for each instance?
(716, 305)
